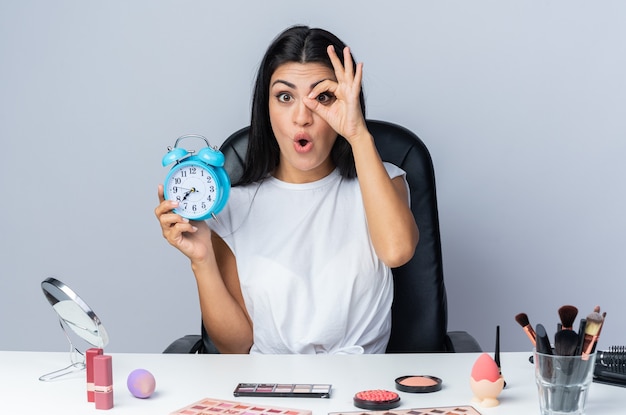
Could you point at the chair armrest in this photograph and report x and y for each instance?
(462, 342)
(190, 343)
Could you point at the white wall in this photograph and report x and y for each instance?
(522, 104)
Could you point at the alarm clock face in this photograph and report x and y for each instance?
(194, 187)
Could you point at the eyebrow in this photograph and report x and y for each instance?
(280, 81)
(293, 86)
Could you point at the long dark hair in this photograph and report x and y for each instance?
(296, 44)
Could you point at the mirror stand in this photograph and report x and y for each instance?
(77, 359)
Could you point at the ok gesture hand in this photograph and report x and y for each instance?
(344, 115)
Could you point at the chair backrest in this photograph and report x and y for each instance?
(419, 311)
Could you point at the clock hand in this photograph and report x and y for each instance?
(184, 188)
(190, 191)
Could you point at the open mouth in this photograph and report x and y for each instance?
(302, 143)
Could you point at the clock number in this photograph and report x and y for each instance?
(192, 170)
(209, 179)
(177, 180)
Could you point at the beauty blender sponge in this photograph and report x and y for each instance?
(486, 381)
(485, 368)
(141, 383)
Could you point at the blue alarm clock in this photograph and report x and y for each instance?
(198, 182)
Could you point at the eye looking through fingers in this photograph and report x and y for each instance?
(326, 98)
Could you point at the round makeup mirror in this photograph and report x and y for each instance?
(75, 314)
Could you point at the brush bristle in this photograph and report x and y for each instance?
(522, 319)
(568, 314)
(594, 323)
(565, 342)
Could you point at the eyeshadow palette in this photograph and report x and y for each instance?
(447, 410)
(297, 390)
(210, 406)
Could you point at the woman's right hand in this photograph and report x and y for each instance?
(192, 238)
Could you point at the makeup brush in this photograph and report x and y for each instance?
(496, 353)
(599, 332)
(543, 341)
(522, 320)
(565, 342)
(567, 314)
(543, 348)
(594, 323)
(581, 336)
(594, 340)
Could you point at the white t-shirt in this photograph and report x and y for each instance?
(309, 275)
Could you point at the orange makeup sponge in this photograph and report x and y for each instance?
(485, 368)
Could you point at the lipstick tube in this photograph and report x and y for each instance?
(89, 355)
(103, 381)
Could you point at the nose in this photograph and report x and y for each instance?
(302, 115)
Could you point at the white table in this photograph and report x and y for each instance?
(184, 379)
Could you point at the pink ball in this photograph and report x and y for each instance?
(141, 383)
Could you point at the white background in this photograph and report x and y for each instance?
(521, 103)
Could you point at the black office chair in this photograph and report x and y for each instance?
(419, 310)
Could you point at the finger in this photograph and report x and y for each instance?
(336, 62)
(358, 76)
(170, 219)
(313, 105)
(161, 193)
(166, 206)
(324, 86)
(183, 227)
(173, 226)
(347, 63)
(312, 102)
(176, 235)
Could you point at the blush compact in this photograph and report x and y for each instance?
(377, 399)
(418, 384)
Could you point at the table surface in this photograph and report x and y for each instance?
(185, 379)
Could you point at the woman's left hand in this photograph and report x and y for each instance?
(344, 113)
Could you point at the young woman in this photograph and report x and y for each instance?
(299, 261)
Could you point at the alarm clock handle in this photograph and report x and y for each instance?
(182, 137)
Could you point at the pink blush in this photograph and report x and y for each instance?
(418, 381)
(418, 384)
(377, 399)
